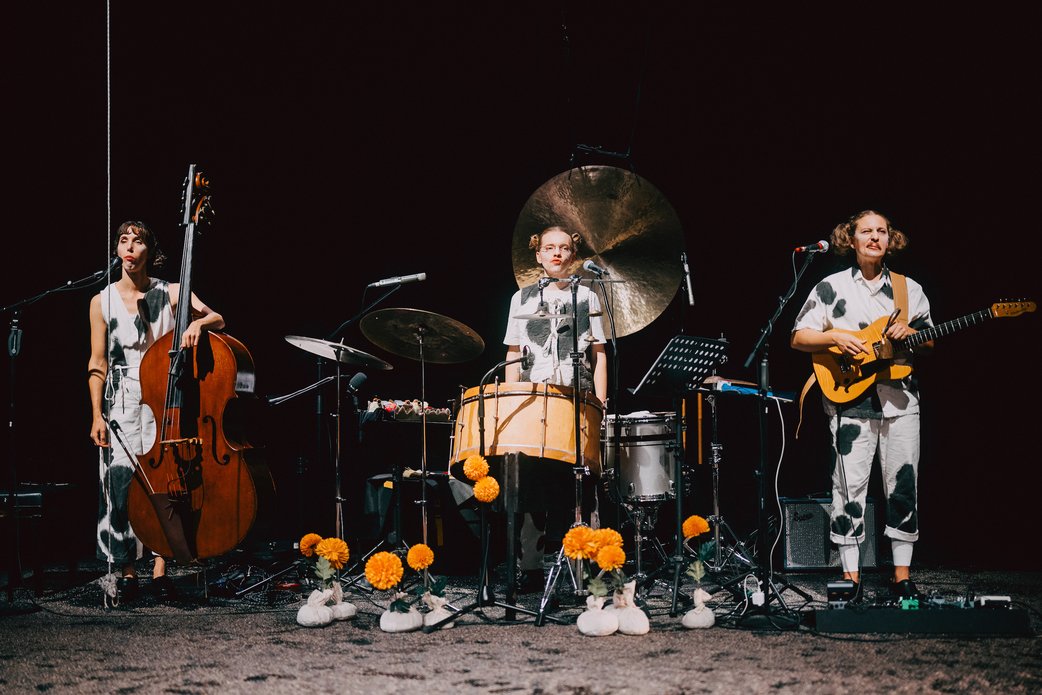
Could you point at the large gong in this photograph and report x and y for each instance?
(627, 226)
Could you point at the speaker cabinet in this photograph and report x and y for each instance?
(806, 540)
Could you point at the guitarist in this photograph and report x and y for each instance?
(885, 419)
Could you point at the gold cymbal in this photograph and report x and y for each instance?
(404, 331)
(338, 352)
(628, 228)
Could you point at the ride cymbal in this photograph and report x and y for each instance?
(404, 331)
(338, 352)
(628, 228)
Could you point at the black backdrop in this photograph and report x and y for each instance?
(349, 143)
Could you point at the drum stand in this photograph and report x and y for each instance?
(639, 514)
(511, 476)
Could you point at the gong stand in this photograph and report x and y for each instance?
(680, 369)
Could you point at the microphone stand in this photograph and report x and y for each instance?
(14, 351)
(765, 577)
(320, 423)
(579, 468)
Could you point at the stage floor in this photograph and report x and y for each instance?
(62, 638)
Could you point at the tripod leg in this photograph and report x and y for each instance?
(551, 586)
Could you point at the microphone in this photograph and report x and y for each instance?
(594, 268)
(527, 358)
(113, 267)
(356, 383)
(820, 247)
(400, 280)
(687, 279)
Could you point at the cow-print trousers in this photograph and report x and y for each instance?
(855, 444)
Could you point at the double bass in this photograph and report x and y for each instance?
(198, 490)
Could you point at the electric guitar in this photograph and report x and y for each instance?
(843, 377)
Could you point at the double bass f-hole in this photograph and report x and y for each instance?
(225, 459)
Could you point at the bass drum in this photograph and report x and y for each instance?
(642, 472)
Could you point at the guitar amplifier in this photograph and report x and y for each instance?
(806, 538)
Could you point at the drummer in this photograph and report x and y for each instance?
(550, 343)
(550, 340)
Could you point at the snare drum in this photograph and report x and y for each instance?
(644, 472)
(533, 419)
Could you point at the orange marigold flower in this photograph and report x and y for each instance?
(610, 558)
(580, 543)
(486, 489)
(383, 570)
(308, 543)
(335, 550)
(694, 525)
(604, 537)
(475, 468)
(420, 557)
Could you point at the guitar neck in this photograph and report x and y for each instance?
(947, 328)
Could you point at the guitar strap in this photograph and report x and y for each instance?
(899, 285)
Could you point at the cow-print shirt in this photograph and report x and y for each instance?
(550, 340)
(846, 300)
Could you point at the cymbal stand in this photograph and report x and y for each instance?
(485, 596)
(736, 551)
(339, 523)
(579, 468)
(274, 573)
(423, 443)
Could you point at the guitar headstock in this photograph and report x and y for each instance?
(1008, 309)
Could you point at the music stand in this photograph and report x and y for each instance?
(681, 368)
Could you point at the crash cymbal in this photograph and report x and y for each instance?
(338, 352)
(444, 340)
(628, 228)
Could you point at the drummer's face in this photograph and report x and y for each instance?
(555, 253)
